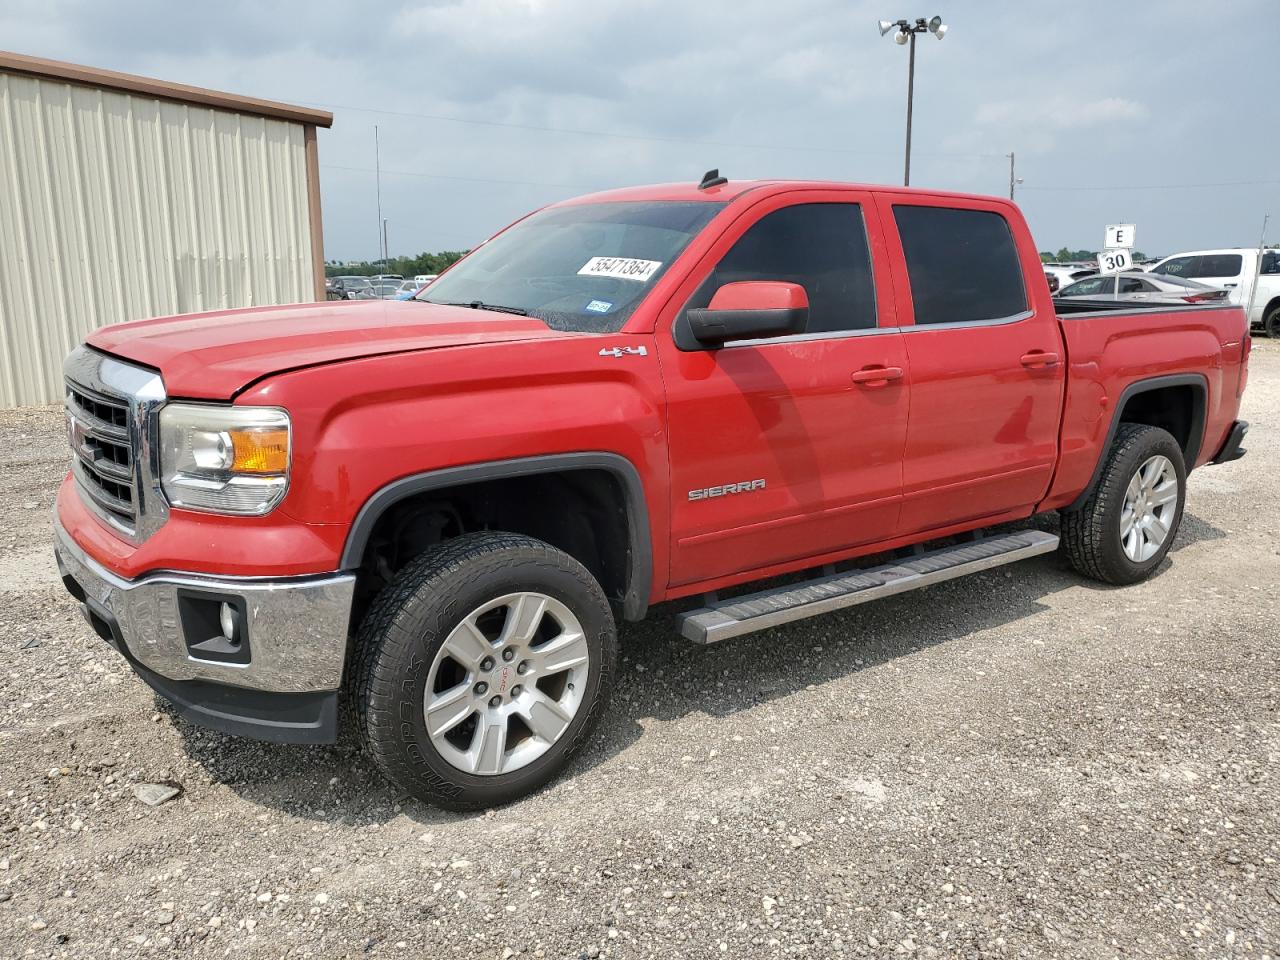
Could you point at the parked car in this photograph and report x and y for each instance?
(424, 278)
(436, 510)
(1052, 280)
(1235, 269)
(407, 289)
(349, 288)
(385, 288)
(1068, 273)
(1139, 285)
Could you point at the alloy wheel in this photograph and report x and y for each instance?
(506, 683)
(1150, 505)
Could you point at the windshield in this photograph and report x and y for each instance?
(583, 267)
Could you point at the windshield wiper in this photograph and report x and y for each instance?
(496, 308)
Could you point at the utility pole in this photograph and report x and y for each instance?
(377, 169)
(1253, 287)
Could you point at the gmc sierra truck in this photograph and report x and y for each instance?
(435, 511)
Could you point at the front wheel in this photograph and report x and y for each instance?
(481, 669)
(1125, 528)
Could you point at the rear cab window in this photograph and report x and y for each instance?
(963, 265)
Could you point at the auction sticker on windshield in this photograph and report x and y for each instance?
(620, 268)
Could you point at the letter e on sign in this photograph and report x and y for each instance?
(1121, 236)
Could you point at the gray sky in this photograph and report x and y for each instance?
(488, 108)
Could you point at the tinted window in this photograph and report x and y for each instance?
(581, 267)
(962, 264)
(820, 246)
(1220, 265)
(1271, 263)
(1178, 267)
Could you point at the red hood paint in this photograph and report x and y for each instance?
(214, 355)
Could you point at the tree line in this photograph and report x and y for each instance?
(1071, 256)
(404, 266)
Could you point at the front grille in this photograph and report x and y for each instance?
(98, 427)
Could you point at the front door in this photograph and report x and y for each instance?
(786, 448)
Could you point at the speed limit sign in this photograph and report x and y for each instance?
(1114, 261)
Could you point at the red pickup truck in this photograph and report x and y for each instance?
(436, 510)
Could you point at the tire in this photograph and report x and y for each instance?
(425, 616)
(1271, 324)
(1091, 534)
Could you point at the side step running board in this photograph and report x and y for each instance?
(759, 611)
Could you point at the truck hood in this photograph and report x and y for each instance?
(215, 355)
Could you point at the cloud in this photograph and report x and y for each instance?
(651, 90)
(1059, 112)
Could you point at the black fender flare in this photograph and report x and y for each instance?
(1195, 435)
(640, 566)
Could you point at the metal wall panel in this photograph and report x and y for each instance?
(115, 206)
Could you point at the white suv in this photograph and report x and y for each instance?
(1234, 269)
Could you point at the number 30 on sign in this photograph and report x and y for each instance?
(1114, 261)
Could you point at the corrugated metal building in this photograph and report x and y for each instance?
(123, 197)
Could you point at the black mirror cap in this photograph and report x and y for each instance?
(714, 328)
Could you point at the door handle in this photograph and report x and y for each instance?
(1039, 358)
(876, 376)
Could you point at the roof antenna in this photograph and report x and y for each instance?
(711, 179)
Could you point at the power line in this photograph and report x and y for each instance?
(1160, 186)
(442, 176)
(635, 136)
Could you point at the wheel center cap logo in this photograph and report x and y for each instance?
(504, 680)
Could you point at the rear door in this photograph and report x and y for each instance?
(986, 361)
(777, 451)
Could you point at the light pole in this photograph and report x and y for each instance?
(907, 35)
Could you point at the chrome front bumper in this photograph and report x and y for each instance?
(295, 628)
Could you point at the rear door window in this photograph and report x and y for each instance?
(1220, 265)
(962, 264)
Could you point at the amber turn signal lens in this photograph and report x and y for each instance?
(260, 451)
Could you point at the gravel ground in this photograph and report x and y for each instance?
(1018, 764)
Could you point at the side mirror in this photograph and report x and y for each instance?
(750, 309)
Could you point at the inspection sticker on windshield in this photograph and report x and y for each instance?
(599, 306)
(620, 268)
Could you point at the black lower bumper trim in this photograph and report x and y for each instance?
(310, 717)
(1231, 450)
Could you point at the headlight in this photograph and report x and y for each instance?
(224, 459)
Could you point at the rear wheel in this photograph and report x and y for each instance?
(482, 668)
(1125, 528)
(1271, 324)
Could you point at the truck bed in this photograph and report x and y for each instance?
(1111, 345)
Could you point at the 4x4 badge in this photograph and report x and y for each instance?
(623, 351)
